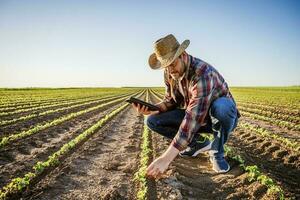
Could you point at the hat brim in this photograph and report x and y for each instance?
(154, 63)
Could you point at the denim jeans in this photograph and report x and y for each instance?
(223, 120)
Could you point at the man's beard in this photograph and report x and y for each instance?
(177, 75)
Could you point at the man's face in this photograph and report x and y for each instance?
(176, 68)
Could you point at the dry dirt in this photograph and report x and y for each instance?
(103, 167)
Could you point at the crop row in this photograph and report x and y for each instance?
(270, 108)
(18, 105)
(283, 105)
(280, 123)
(293, 145)
(158, 93)
(10, 138)
(145, 156)
(285, 97)
(17, 185)
(14, 100)
(270, 114)
(53, 104)
(254, 174)
(27, 98)
(30, 116)
(34, 96)
(157, 96)
(27, 104)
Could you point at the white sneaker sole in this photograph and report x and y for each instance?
(208, 147)
(221, 171)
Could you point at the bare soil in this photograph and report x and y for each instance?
(103, 167)
(24, 125)
(193, 178)
(17, 158)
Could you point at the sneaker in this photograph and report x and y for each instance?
(220, 165)
(196, 148)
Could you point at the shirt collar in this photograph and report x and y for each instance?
(187, 62)
(183, 76)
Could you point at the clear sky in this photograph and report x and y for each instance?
(107, 43)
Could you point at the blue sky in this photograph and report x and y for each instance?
(107, 43)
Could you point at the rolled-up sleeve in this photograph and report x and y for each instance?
(196, 111)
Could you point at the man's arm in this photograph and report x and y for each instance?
(196, 111)
(194, 118)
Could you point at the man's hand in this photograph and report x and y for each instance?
(160, 164)
(143, 109)
(158, 167)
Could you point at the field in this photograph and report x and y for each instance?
(88, 143)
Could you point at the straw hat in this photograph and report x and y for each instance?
(166, 50)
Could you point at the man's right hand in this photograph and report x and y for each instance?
(141, 109)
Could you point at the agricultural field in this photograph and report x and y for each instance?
(88, 143)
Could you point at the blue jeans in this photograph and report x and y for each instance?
(223, 120)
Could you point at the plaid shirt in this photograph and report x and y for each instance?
(200, 86)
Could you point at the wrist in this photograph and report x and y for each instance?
(170, 154)
(162, 107)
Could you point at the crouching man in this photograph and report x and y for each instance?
(197, 100)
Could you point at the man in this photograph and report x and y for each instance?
(197, 100)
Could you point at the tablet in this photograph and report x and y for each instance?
(151, 107)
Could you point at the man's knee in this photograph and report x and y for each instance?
(151, 121)
(224, 110)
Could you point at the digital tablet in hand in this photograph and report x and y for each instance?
(151, 107)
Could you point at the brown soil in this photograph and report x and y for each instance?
(44, 102)
(17, 158)
(283, 132)
(102, 168)
(19, 126)
(40, 103)
(193, 178)
(273, 159)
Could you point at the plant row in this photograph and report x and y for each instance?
(280, 98)
(33, 96)
(254, 174)
(280, 123)
(270, 114)
(18, 106)
(157, 96)
(270, 108)
(10, 138)
(54, 104)
(145, 156)
(293, 145)
(17, 185)
(30, 116)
